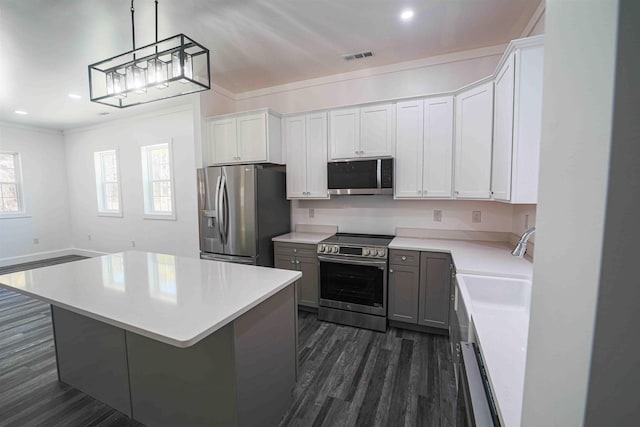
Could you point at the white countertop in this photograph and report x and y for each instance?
(472, 257)
(302, 237)
(499, 309)
(176, 300)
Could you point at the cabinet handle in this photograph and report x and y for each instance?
(357, 152)
(295, 250)
(297, 261)
(391, 270)
(361, 152)
(404, 258)
(293, 261)
(457, 192)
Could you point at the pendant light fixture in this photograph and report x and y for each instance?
(167, 68)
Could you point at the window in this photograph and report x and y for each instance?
(11, 202)
(157, 177)
(108, 183)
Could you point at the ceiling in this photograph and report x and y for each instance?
(46, 45)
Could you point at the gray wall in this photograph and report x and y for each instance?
(615, 362)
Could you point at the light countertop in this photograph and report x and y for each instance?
(302, 237)
(472, 257)
(175, 300)
(499, 309)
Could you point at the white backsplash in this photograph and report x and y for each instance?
(383, 214)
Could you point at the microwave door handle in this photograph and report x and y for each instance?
(379, 172)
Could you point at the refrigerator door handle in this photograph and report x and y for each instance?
(225, 208)
(218, 208)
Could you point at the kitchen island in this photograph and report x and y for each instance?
(173, 340)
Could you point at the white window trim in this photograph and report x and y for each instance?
(100, 182)
(23, 212)
(147, 191)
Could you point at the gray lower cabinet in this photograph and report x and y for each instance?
(420, 288)
(303, 258)
(435, 289)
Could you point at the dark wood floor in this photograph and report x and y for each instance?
(347, 377)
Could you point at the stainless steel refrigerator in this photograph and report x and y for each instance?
(241, 207)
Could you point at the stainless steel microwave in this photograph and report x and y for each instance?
(362, 177)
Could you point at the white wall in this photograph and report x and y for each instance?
(524, 216)
(108, 234)
(382, 214)
(574, 165)
(45, 191)
(441, 74)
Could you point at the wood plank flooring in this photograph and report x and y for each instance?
(347, 377)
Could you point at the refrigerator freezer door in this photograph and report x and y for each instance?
(209, 180)
(239, 207)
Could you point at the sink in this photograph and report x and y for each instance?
(497, 292)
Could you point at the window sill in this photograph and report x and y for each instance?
(111, 214)
(160, 217)
(15, 215)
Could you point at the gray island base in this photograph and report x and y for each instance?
(242, 374)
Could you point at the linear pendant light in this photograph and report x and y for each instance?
(167, 68)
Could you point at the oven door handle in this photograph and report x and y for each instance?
(382, 264)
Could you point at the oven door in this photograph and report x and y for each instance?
(353, 284)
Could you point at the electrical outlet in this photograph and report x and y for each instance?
(133, 243)
(476, 216)
(312, 213)
(36, 241)
(437, 215)
(526, 222)
(88, 236)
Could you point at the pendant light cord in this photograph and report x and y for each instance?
(156, 1)
(133, 31)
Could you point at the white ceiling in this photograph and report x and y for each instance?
(46, 45)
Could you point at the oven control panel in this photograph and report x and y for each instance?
(330, 249)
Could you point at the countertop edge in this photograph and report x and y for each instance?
(180, 343)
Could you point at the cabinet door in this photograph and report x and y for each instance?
(474, 123)
(438, 147)
(222, 144)
(344, 133)
(409, 146)
(252, 138)
(316, 156)
(295, 140)
(435, 290)
(377, 130)
(308, 284)
(503, 131)
(403, 293)
(284, 262)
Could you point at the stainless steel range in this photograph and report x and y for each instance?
(353, 280)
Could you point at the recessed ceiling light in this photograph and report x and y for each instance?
(74, 96)
(406, 15)
(22, 113)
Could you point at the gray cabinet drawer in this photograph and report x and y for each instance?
(400, 257)
(295, 249)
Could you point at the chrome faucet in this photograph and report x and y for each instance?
(521, 246)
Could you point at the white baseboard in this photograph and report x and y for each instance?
(49, 254)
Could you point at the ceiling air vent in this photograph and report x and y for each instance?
(359, 55)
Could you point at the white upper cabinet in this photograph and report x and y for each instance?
(409, 150)
(362, 132)
(377, 129)
(474, 125)
(502, 133)
(345, 133)
(438, 148)
(306, 145)
(424, 148)
(252, 137)
(517, 121)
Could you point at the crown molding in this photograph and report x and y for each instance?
(537, 14)
(32, 128)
